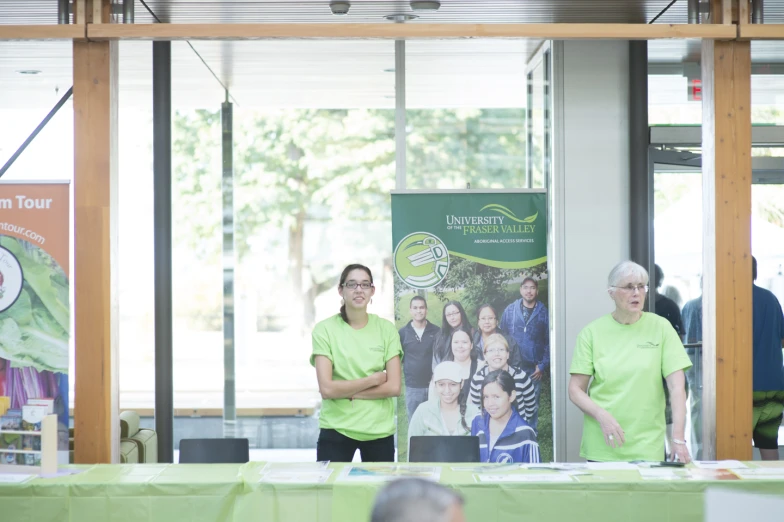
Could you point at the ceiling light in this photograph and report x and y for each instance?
(425, 5)
(339, 8)
(400, 18)
(31, 72)
(389, 70)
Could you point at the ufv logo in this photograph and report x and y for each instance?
(648, 345)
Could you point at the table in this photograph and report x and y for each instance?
(231, 492)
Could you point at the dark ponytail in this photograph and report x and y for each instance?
(344, 276)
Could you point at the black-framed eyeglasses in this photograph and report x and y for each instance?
(352, 285)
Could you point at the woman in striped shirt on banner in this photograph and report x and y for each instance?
(503, 435)
(496, 351)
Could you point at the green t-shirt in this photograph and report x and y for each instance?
(627, 363)
(356, 354)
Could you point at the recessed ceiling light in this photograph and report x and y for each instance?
(425, 5)
(31, 72)
(339, 8)
(400, 18)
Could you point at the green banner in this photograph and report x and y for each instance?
(471, 301)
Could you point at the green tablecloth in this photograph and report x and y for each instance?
(232, 492)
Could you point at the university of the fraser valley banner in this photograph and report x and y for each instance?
(34, 315)
(471, 307)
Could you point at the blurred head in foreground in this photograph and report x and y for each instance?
(417, 500)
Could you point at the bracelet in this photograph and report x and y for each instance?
(681, 442)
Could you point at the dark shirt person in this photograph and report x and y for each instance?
(692, 325)
(527, 321)
(768, 369)
(417, 338)
(666, 307)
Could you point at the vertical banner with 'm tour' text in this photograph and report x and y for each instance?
(35, 314)
(471, 307)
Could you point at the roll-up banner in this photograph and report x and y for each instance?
(471, 307)
(35, 315)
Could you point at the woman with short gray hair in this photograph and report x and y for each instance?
(417, 500)
(626, 353)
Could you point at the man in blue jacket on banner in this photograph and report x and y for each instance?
(528, 322)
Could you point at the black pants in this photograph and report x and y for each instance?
(336, 447)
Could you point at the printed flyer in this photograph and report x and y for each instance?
(35, 312)
(471, 299)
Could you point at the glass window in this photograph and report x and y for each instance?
(465, 117)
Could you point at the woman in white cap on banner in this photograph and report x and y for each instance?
(451, 414)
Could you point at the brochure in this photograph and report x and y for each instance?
(297, 477)
(719, 464)
(662, 474)
(292, 467)
(384, 473)
(611, 466)
(760, 473)
(14, 478)
(712, 474)
(524, 477)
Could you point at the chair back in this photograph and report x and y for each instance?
(214, 451)
(440, 448)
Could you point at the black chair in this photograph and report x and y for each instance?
(214, 451)
(439, 448)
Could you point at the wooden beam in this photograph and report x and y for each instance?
(397, 31)
(721, 11)
(744, 12)
(727, 320)
(42, 32)
(761, 32)
(96, 401)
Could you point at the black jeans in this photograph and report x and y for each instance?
(336, 447)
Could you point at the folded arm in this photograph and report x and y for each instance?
(337, 389)
(389, 388)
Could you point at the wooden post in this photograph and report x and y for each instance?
(727, 320)
(96, 407)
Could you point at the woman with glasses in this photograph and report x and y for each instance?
(357, 359)
(451, 414)
(496, 352)
(503, 435)
(627, 353)
(454, 318)
(487, 325)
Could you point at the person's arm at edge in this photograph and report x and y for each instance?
(578, 394)
(337, 389)
(390, 388)
(676, 384)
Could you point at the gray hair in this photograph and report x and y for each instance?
(626, 269)
(414, 500)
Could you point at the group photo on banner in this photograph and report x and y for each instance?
(471, 289)
(35, 317)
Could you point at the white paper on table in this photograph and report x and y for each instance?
(760, 473)
(611, 466)
(62, 472)
(485, 468)
(560, 466)
(660, 474)
(294, 466)
(382, 473)
(14, 478)
(297, 477)
(525, 477)
(719, 464)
